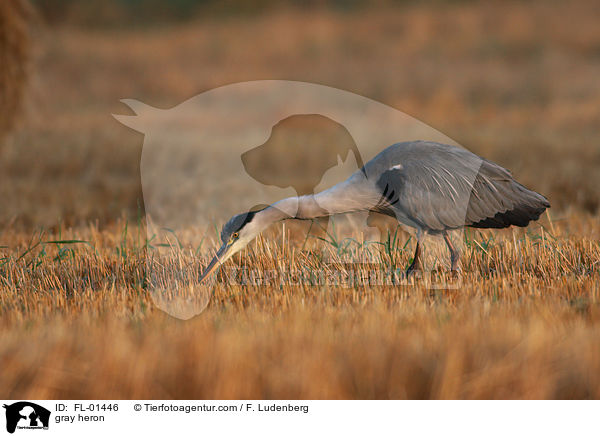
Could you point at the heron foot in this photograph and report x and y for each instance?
(455, 272)
(416, 265)
(415, 269)
(455, 264)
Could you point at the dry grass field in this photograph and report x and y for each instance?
(516, 82)
(525, 323)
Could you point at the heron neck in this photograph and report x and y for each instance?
(303, 207)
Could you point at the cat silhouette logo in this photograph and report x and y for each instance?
(26, 415)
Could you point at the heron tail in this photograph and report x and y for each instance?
(515, 204)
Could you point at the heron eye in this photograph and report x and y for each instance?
(235, 235)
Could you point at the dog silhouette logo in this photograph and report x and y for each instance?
(309, 141)
(26, 415)
(298, 153)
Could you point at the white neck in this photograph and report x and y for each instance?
(352, 195)
(303, 207)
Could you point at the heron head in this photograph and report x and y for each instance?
(235, 235)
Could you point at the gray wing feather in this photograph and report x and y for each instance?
(440, 187)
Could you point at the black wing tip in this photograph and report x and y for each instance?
(543, 201)
(519, 217)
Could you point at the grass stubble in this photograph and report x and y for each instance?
(78, 321)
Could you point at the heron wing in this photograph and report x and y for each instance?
(440, 187)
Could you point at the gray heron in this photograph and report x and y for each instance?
(429, 186)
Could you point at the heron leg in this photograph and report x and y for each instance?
(417, 263)
(454, 253)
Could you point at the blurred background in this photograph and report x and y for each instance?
(516, 82)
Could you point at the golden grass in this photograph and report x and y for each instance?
(524, 323)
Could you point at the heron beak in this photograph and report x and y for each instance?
(214, 264)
